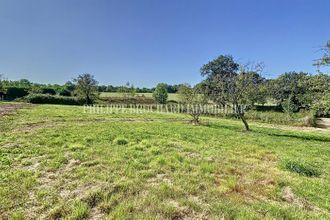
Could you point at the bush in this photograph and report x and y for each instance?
(121, 141)
(52, 99)
(64, 92)
(128, 100)
(322, 107)
(268, 108)
(15, 92)
(49, 91)
(160, 94)
(301, 169)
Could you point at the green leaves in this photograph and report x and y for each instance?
(160, 94)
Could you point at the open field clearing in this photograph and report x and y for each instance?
(171, 96)
(57, 162)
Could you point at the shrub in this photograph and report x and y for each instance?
(64, 92)
(268, 108)
(128, 100)
(160, 93)
(289, 105)
(52, 99)
(322, 107)
(49, 91)
(15, 92)
(121, 141)
(301, 169)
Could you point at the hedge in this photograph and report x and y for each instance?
(49, 91)
(53, 99)
(15, 92)
(128, 100)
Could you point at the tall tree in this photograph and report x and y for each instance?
(160, 94)
(86, 87)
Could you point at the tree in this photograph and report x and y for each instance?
(160, 94)
(1, 88)
(254, 91)
(69, 86)
(227, 82)
(289, 106)
(192, 96)
(290, 84)
(325, 59)
(24, 83)
(219, 74)
(86, 87)
(322, 107)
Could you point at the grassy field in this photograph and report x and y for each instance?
(171, 96)
(57, 162)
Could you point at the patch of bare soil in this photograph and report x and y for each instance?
(323, 123)
(96, 214)
(158, 179)
(185, 213)
(290, 197)
(47, 180)
(7, 109)
(35, 126)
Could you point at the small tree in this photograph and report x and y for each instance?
(227, 82)
(86, 87)
(325, 59)
(160, 94)
(289, 106)
(132, 91)
(192, 96)
(128, 90)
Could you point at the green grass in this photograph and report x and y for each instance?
(57, 162)
(295, 119)
(171, 96)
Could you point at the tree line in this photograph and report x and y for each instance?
(19, 88)
(225, 82)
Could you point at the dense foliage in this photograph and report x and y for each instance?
(160, 94)
(53, 99)
(228, 82)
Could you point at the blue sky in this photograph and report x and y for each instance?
(150, 41)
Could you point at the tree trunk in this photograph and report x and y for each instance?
(244, 122)
(240, 114)
(195, 120)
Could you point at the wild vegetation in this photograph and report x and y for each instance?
(226, 82)
(61, 162)
(58, 162)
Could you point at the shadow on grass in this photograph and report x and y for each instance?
(223, 126)
(270, 132)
